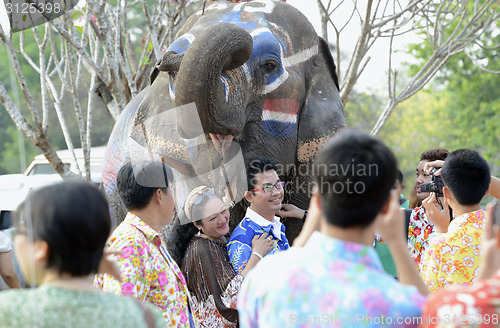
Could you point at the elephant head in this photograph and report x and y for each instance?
(260, 78)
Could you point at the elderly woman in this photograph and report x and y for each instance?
(200, 246)
(60, 232)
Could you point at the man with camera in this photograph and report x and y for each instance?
(453, 257)
(477, 304)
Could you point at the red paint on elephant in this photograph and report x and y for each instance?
(282, 105)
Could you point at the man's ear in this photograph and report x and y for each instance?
(41, 250)
(249, 196)
(387, 205)
(158, 195)
(448, 195)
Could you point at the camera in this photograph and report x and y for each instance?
(436, 185)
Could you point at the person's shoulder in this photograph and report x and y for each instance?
(283, 262)
(244, 230)
(125, 234)
(10, 297)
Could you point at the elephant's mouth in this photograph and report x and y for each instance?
(221, 142)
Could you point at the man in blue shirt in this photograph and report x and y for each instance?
(265, 194)
(336, 279)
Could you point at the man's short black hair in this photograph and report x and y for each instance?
(399, 176)
(137, 183)
(256, 166)
(354, 173)
(73, 218)
(467, 174)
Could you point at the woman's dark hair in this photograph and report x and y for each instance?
(183, 229)
(137, 183)
(73, 218)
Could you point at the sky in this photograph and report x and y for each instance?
(374, 77)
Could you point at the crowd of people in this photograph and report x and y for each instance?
(358, 261)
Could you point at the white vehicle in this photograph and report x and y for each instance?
(15, 187)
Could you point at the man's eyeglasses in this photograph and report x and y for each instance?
(267, 187)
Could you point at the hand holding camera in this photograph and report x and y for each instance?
(438, 212)
(436, 185)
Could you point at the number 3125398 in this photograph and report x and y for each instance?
(34, 7)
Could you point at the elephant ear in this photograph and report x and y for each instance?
(322, 114)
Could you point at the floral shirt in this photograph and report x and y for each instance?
(148, 272)
(328, 282)
(420, 231)
(453, 257)
(53, 307)
(457, 306)
(239, 246)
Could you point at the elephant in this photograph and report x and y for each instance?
(260, 83)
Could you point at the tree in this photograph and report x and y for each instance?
(90, 50)
(449, 26)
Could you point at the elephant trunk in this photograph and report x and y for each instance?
(211, 76)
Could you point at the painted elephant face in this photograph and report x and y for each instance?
(258, 72)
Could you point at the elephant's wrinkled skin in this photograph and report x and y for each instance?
(259, 76)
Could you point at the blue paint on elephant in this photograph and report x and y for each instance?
(235, 18)
(279, 129)
(225, 78)
(180, 45)
(266, 47)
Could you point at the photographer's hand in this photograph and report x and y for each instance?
(435, 164)
(439, 216)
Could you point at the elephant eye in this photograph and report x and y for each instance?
(270, 66)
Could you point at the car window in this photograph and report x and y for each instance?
(44, 168)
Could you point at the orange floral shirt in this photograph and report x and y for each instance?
(148, 272)
(453, 258)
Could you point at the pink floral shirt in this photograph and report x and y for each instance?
(420, 231)
(147, 271)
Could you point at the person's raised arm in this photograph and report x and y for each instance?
(311, 223)
(391, 227)
(7, 271)
(490, 257)
(494, 189)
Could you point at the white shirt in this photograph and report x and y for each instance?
(260, 220)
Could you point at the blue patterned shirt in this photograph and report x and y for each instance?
(327, 283)
(239, 246)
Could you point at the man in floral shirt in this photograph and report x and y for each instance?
(336, 279)
(453, 257)
(148, 272)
